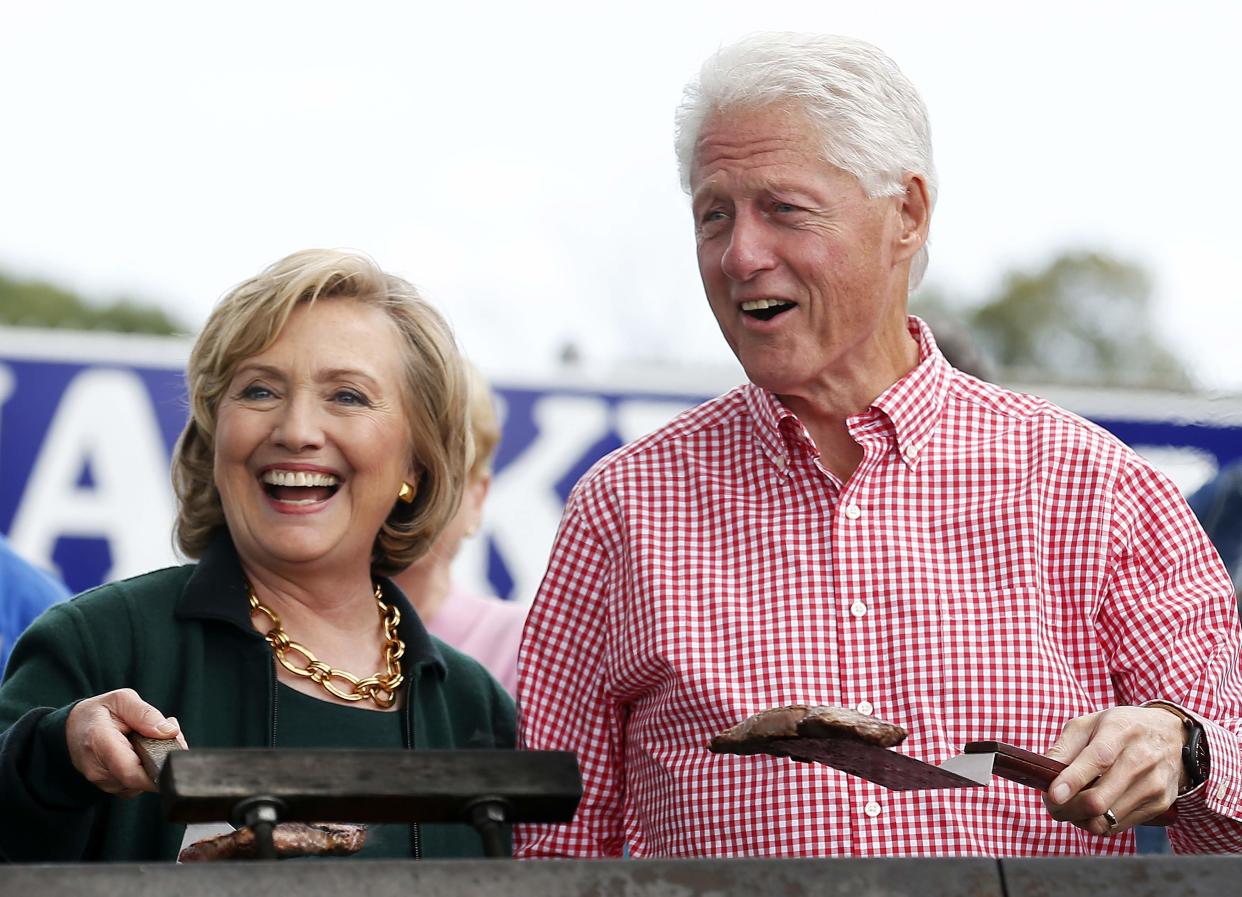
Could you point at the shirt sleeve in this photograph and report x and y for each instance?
(563, 696)
(25, 592)
(1169, 621)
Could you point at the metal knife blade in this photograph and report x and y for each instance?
(976, 767)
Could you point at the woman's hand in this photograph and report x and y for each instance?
(97, 732)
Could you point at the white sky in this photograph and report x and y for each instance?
(515, 159)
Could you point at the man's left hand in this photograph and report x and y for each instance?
(1126, 760)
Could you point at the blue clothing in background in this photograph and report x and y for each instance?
(25, 592)
(1218, 505)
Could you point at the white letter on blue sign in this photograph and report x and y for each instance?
(104, 420)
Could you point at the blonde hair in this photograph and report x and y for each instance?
(250, 318)
(484, 423)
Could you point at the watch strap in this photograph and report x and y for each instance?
(1194, 745)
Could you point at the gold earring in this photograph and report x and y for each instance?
(406, 492)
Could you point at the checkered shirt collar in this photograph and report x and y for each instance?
(907, 413)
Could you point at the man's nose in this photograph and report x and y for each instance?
(749, 251)
(298, 427)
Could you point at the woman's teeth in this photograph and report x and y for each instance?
(298, 478)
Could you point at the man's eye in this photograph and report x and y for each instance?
(783, 207)
(712, 221)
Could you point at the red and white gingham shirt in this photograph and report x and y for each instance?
(994, 568)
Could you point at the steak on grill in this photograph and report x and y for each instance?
(291, 839)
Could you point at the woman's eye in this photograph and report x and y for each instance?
(350, 397)
(255, 393)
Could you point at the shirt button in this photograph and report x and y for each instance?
(872, 809)
(866, 708)
(858, 609)
(780, 462)
(852, 511)
(911, 453)
(1220, 792)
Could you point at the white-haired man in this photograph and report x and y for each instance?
(861, 525)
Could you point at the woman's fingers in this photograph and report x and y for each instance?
(180, 735)
(97, 731)
(138, 715)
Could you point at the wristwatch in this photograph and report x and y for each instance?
(1195, 759)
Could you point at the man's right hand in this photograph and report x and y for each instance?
(97, 732)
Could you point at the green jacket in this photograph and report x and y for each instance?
(182, 638)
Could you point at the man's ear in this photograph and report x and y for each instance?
(914, 207)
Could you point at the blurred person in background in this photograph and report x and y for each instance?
(960, 349)
(326, 450)
(1218, 504)
(862, 526)
(25, 592)
(483, 626)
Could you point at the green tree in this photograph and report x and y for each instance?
(34, 303)
(1083, 318)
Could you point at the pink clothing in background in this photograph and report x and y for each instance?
(488, 629)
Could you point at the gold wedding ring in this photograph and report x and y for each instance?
(1111, 819)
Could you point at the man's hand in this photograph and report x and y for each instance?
(96, 732)
(1127, 760)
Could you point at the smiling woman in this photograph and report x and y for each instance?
(263, 323)
(326, 450)
(312, 439)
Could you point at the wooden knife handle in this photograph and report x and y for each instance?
(1036, 770)
(153, 752)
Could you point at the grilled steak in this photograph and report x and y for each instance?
(769, 730)
(291, 839)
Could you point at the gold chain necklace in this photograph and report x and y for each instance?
(380, 688)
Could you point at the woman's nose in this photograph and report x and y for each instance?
(298, 427)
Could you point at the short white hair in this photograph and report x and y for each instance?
(872, 120)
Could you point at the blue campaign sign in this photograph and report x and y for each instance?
(84, 448)
(88, 422)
